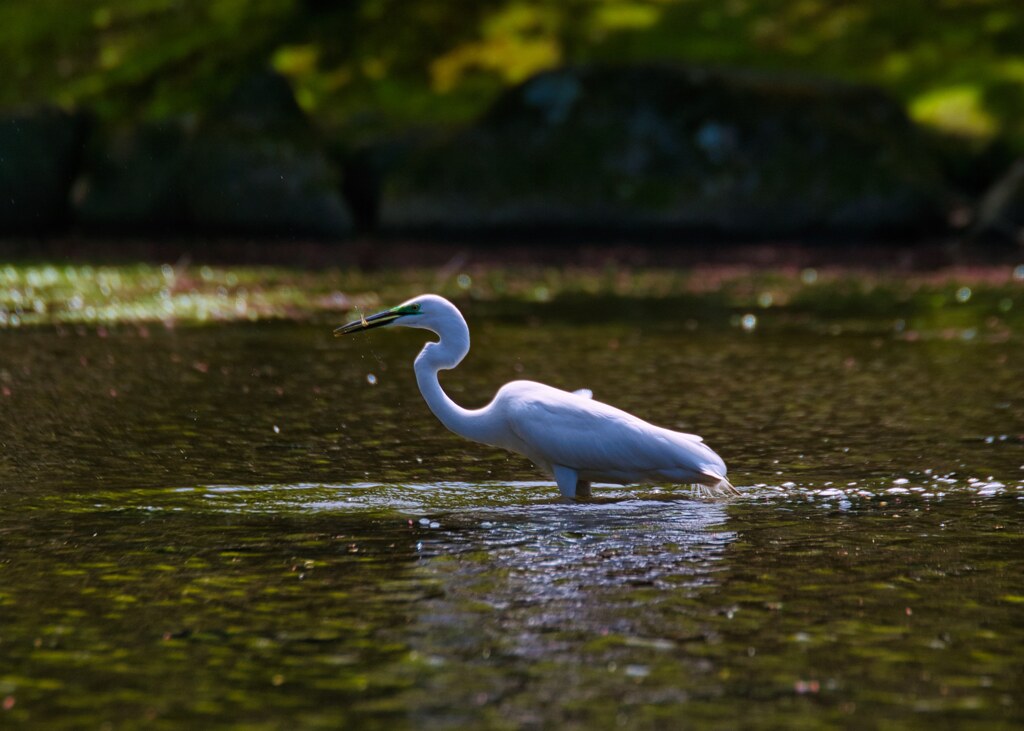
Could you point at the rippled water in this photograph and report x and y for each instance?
(262, 526)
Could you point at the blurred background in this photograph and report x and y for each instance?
(678, 121)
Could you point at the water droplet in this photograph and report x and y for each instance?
(963, 294)
(637, 671)
(748, 322)
(371, 379)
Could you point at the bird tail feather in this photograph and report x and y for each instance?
(721, 488)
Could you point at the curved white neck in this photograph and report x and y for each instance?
(445, 354)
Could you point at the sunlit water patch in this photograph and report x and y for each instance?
(523, 497)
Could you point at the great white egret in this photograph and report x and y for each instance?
(569, 436)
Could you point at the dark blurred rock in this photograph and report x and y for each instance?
(256, 167)
(263, 185)
(133, 179)
(253, 167)
(969, 165)
(39, 155)
(263, 102)
(367, 167)
(625, 149)
(1000, 213)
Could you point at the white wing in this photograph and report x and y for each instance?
(601, 442)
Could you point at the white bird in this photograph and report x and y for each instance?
(569, 436)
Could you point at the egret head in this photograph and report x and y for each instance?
(428, 311)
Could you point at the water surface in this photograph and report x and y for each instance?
(260, 526)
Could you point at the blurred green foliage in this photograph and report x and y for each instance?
(369, 66)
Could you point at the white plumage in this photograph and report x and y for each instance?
(566, 434)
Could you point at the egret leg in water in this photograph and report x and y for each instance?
(569, 436)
